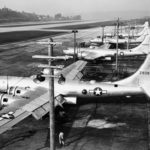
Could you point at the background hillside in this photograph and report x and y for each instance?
(8, 15)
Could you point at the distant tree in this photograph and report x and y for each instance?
(58, 16)
(78, 17)
(8, 15)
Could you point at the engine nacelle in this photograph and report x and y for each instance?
(81, 55)
(6, 99)
(46, 71)
(18, 91)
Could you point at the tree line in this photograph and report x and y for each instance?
(8, 15)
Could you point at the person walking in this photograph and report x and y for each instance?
(61, 138)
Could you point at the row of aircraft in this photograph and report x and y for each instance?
(98, 53)
(105, 53)
(24, 96)
(130, 34)
(125, 37)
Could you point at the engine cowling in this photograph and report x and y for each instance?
(6, 100)
(46, 71)
(18, 91)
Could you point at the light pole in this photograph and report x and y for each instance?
(51, 99)
(115, 29)
(51, 77)
(74, 31)
(128, 37)
(103, 34)
(117, 46)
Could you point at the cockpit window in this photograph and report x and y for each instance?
(5, 100)
(18, 91)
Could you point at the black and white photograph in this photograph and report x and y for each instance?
(74, 75)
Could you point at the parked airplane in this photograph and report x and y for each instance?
(93, 54)
(124, 37)
(23, 96)
(145, 28)
(99, 40)
(132, 40)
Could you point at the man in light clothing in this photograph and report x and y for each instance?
(61, 139)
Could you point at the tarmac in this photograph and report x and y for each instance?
(96, 126)
(115, 123)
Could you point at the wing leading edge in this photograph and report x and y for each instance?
(37, 107)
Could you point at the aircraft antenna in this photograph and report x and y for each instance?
(7, 84)
(75, 43)
(128, 36)
(103, 34)
(117, 46)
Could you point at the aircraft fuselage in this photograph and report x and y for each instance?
(71, 88)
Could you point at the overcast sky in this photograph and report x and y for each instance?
(73, 7)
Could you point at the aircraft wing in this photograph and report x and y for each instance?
(37, 105)
(73, 71)
(37, 101)
(6, 124)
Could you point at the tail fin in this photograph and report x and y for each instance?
(144, 46)
(143, 35)
(146, 24)
(146, 28)
(141, 77)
